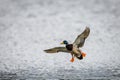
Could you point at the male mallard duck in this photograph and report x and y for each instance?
(73, 48)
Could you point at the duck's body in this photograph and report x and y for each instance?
(69, 47)
(75, 52)
(73, 48)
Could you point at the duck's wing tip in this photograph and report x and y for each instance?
(56, 50)
(50, 50)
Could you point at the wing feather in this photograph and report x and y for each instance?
(56, 49)
(79, 42)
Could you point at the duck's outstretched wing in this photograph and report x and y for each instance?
(79, 42)
(56, 49)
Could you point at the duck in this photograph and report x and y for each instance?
(74, 48)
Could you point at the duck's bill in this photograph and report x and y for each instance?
(61, 43)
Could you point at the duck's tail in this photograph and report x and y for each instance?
(80, 58)
(82, 55)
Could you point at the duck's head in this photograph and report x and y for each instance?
(64, 42)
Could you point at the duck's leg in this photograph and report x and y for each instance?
(72, 59)
(83, 54)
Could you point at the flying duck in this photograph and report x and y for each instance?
(73, 49)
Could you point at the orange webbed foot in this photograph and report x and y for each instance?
(83, 54)
(72, 60)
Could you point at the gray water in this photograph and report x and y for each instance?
(27, 27)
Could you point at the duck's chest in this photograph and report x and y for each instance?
(69, 47)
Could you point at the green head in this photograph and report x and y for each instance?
(65, 42)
